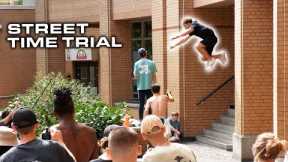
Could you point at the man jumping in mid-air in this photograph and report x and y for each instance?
(206, 46)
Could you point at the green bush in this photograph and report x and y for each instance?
(90, 109)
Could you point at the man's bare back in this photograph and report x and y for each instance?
(80, 140)
(158, 105)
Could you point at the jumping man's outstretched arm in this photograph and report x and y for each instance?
(182, 40)
(184, 33)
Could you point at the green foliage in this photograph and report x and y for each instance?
(90, 109)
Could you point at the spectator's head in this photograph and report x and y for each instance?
(187, 22)
(123, 145)
(8, 139)
(107, 131)
(142, 52)
(63, 103)
(156, 88)
(153, 129)
(267, 148)
(175, 116)
(24, 121)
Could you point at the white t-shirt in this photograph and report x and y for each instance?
(172, 153)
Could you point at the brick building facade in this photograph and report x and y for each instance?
(255, 44)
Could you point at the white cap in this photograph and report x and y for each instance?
(171, 153)
(149, 124)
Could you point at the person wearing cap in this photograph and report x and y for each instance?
(30, 148)
(145, 74)
(8, 139)
(153, 130)
(105, 157)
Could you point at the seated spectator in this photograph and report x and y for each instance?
(105, 157)
(8, 139)
(123, 145)
(267, 148)
(30, 148)
(158, 104)
(174, 124)
(153, 130)
(74, 134)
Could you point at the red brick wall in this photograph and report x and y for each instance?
(127, 9)
(56, 58)
(74, 10)
(115, 64)
(185, 75)
(17, 66)
(254, 67)
(198, 83)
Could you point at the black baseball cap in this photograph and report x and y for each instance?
(23, 118)
(141, 51)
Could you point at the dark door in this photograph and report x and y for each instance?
(86, 72)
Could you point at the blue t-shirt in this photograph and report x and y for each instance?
(144, 69)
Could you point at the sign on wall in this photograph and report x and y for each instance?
(78, 54)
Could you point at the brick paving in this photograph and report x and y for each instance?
(206, 153)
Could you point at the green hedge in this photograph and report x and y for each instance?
(90, 109)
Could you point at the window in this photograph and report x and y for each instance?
(141, 37)
(18, 2)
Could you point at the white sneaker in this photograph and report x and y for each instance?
(210, 65)
(223, 59)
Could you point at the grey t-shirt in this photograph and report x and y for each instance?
(37, 151)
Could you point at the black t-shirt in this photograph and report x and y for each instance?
(37, 151)
(199, 30)
(100, 160)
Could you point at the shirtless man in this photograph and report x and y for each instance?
(74, 134)
(158, 104)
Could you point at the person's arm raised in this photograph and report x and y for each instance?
(170, 97)
(182, 40)
(183, 33)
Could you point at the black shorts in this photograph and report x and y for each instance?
(209, 40)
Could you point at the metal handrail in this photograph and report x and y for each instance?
(215, 90)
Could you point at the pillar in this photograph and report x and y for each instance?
(253, 74)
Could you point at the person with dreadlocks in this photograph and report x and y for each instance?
(73, 134)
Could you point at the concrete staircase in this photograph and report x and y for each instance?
(220, 133)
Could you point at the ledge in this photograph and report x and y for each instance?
(8, 7)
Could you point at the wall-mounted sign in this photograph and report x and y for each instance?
(78, 54)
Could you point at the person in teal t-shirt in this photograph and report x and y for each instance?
(144, 73)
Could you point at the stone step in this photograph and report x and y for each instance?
(218, 135)
(213, 142)
(228, 129)
(227, 120)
